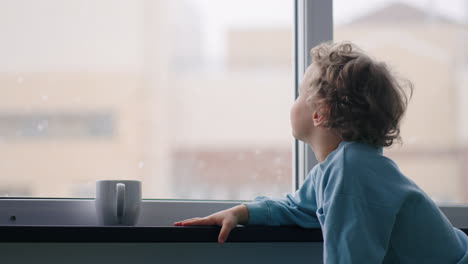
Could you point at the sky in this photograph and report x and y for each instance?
(219, 15)
(345, 10)
(241, 12)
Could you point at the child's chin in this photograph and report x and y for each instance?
(294, 134)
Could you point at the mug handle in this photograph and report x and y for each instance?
(120, 201)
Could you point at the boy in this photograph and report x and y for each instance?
(349, 108)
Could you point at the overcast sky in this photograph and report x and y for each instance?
(218, 15)
(345, 10)
(280, 11)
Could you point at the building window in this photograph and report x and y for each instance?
(178, 94)
(55, 126)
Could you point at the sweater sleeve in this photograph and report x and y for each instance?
(355, 231)
(295, 209)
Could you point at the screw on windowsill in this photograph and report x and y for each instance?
(12, 218)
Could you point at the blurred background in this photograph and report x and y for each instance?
(425, 41)
(192, 97)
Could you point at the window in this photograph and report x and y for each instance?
(424, 41)
(121, 64)
(191, 97)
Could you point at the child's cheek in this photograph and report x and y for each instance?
(296, 125)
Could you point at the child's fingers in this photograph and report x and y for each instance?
(180, 223)
(200, 221)
(195, 221)
(190, 219)
(184, 221)
(225, 230)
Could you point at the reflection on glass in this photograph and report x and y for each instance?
(428, 45)
(190, 97)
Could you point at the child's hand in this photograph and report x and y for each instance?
(227, 219)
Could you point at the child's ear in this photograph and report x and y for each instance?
(320, 116)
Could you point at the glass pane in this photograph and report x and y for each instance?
(190, 97)
(426, 42)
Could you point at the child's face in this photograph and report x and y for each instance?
(304, 111)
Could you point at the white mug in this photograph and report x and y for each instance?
(118, 202)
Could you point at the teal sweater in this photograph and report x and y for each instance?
(368, 210)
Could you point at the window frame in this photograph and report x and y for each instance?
(313, 23)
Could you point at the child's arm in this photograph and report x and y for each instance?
(354, 230)
(298, 208)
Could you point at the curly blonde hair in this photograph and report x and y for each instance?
(365, 101)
